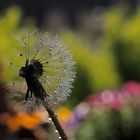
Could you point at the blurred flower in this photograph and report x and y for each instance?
(64, 114)
(112, 100)
(108, 98)
(113, 113)
(133, 88)
(28, 121)
(80, 112)
(93, 100)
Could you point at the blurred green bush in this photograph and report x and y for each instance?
(100, 64)
(98, 67)
(8, 26)
(123, 31)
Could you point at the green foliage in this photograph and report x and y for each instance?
(99, 64)
(8, 26)
(105, 124)
(123, 31)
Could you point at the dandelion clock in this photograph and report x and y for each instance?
(46, 66)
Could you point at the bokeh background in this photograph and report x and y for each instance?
(104, 36)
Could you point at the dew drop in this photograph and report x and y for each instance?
(55, 103)
(51, 48)
(60, 83)
(59, 137)
(56, 131)
(41, 45)
(50, 119)
(18, 95)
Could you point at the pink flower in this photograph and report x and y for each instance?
(109, 98)
(94, 100)
(132, 88)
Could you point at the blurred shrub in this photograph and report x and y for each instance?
(123, 31)
(99, 64)
(8, 27)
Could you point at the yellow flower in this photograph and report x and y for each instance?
(64, 114)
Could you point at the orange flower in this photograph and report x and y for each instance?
(64, 114)
(28, 121)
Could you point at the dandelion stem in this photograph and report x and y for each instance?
(56, 122)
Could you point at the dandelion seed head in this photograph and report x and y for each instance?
(58, 67)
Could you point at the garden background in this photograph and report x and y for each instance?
(104, 37)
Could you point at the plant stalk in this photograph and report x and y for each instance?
(56, 122)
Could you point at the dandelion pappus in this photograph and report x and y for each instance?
(47, 67)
